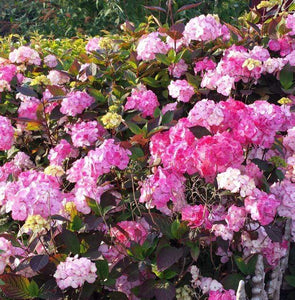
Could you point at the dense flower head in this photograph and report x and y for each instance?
(51, 61)
(222, 295)
(262, 206)
(7, 250)
(60, 152)
(28, 107)
(34, 193)
(93, 44)
(149, 45)
(86, 133)
(126, 232)
(57, 77)
(196, 215)
(99, 162)
(235, 218)
(163, 186)
(216, 153)
(204, 65)
(181, 90)
(74, 272)
(75, 103)
(143, 100)
(25, 54)
(290, 24)
(205, 28)
(6, 133)
(178, 69)
(7, 72)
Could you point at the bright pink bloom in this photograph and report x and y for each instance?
(196, 215)
(86, 133)
(236, 217)
(7, 250)
(262, 206)
(93, 44)
(60, 152)
(6, 133)
(222, 295)
(75, 103)
(178, 69)
(290, 23)
(143, 100)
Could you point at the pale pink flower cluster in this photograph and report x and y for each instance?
(143, 100)
(290, 24)
(233, 180)
(205, 28)
(51, 61)
(7, 72)
(149, 45)
(60, 152)
(262, 206)
(6, 133)
(235, 217)
(74, 272)
(195, 215)
(291, 58)
(125, 286)
(34, 193)
(161, 187)
(99, 162)
(181, 90)
(86, 133)
(7, 250)
(57, 77)
(178, 69)
(272, 251)
(93, 44)
(26, 55)
(75, 103)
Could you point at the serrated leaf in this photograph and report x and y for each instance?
(34, 289)
(38, 262)
(168, 117)
(286, 78)
(16, 286)
(134, 128)
(97, 95)
(151, 82)
(163, 59)
(168, 256)
(199, 131)
(71, 241)
(102, 269)
(27, 91)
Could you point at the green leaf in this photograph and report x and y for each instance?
(290, 280)
(16, 286)
(163, 59)
(195, 252)
(134, 128)
(231, 281)
(71, 241)
(34, 289)
(246, 268)
(76, 224)
(168, 117)
(97, 95)
(151, 82)
(93, 205)
(102, 269)
(136, 153)
(286, 77)
(130, 77)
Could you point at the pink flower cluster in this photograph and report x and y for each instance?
(26, 55)
(7, 250)
(86, 133)
(99, 162)
(75, 103)
(74, 272)
(34, 193)
(178, 69)
(181, 90)
(149, 45)
(205, 28)
(195, 215)
(143, 100)
(6, 133)
(93, 44)
(290, 24)
(57, 77)
(163, 186)
(51, 61)
(60, 152)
